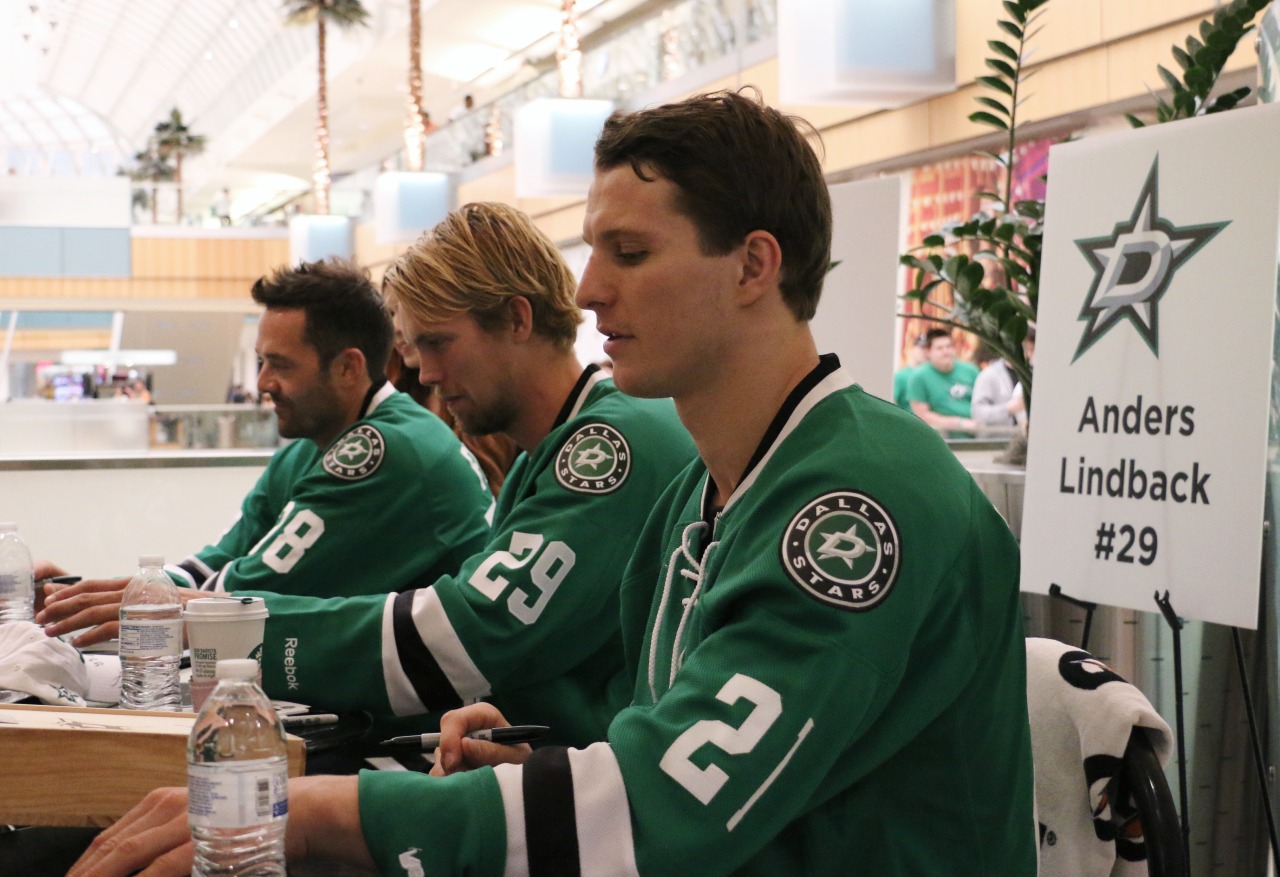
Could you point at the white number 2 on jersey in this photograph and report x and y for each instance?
(704, 783)
(554, 561)
(296, 533)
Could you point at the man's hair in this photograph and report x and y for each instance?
(343, 309)
(739, 166)
(933, 335)
(475, 262)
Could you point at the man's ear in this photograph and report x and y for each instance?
(349, 366)
(761, 265)
(520, 312)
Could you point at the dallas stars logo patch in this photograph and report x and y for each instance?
(1134, 265)
(842, 549)
(356, 455)
(595, 459)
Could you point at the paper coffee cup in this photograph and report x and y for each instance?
(219, 628)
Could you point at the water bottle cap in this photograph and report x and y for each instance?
(8, 527)
(151, 560)
(237, 668)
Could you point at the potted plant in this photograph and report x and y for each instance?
(983, 275)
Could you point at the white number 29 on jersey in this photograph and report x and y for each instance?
(554, 561)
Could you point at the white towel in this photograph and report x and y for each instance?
(1082, 714)
(41, 665)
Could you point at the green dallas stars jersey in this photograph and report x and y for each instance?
(532, 620)
(830, 679)
(309, 523)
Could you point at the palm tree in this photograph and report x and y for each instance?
(415, 127)
(153, 168)
(342, 14)
(175, 140)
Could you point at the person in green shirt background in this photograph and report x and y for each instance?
(902, 377)
(941, 390)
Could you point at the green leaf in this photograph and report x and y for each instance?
(1183, 59)
(993, 103)
(1221, 40)
(972, 273)
(954, 266)
(1184, 102)
(1011, 29)
(997, 83)
(931, 286)
(1030, 209)
(1193, 46)
(933, 240)
(1015, 11)
(1003, 49)
(1001, 67)
(1134, 121)
(984, 118)
(1172, 82)
(1199, 80)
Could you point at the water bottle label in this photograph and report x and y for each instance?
(237, 794)
(14, 586)
(151, 639)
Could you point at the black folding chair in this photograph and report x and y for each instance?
(1143, 810)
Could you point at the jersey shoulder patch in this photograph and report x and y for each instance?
(357, 454)
(843, 549)
(595, 459)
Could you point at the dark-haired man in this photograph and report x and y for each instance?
(330, 515)
(821, 614)
(941, 389)
(531, 619)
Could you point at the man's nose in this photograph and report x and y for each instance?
(592, 292)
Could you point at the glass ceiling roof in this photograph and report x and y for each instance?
(68, 65)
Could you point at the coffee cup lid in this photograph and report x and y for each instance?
(228, 607)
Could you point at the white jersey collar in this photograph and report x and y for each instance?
(384, 393)
(826, 379)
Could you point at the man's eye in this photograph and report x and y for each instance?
(630, 257)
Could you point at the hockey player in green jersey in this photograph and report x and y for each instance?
(532, 619)
(821, 615)
(339, 488)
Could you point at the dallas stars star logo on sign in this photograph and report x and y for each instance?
(595, 459)
(1134, 265)
(356, 455)
(842, 549)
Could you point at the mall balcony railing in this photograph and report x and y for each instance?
(685, 42)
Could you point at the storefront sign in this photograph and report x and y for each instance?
(1153, 366)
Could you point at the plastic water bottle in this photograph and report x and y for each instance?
(150, 639)
(238, 779)
(17, 584)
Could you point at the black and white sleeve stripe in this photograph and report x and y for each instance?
(424, 664)
(567, 814)
(195, 571)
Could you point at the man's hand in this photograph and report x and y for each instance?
(89, 603)
(458, 753)
(324, 823)
(47, 569)
(85, 604)
(153, 837)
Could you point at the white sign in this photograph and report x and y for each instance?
(859, 304)
(1147, 460)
